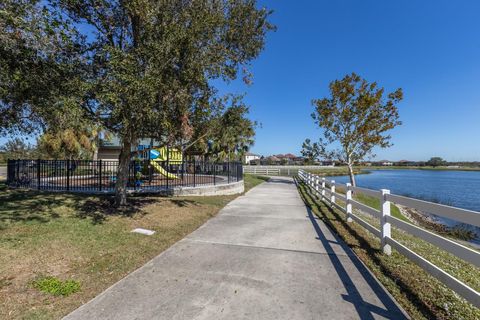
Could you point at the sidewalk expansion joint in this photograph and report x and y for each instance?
(225, 214)
(344, 254)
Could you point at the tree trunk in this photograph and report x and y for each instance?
(122, 174)
(352, 176)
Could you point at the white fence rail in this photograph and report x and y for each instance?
(262, 170)
(326, 190)
(276, 170)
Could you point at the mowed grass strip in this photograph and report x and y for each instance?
(421, 295)
(82, 239)
(335, 171)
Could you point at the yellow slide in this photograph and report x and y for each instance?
(162, 171)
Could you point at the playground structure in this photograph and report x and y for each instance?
(163, 154)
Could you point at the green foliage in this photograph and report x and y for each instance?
(17, 148)
(311, 151)
(223, 131)
(145, 70)
(357, 116)
(38, 66)
(57, 287)
(68, 144)
(436, 162)
(234, 132)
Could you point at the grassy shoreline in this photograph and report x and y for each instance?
(336, 171)
(421, 295)
(65, 239)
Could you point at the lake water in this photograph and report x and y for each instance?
(454, 188)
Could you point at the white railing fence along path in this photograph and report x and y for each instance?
(326, 190)
(262, 170)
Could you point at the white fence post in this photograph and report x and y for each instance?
(332, 193)
(323, 188)
(349, 202)
(317, 180)
(385, 226)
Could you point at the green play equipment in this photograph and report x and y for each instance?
(156, 155)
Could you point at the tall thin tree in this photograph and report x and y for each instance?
(357, 116)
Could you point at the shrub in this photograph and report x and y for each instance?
(462, 232)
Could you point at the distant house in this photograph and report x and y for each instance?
(386, 163)
(109, 147)
(249, 157)
(405, 163)
(327, 163)
(287, 159)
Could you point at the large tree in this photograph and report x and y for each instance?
(137, 68)
(17, 148)
(356, 117)
(151, 60)
(436, 162)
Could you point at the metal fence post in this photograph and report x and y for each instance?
(68, 174)
(349, 202)
(100, 175)
(194, 170)
(385, 225)
(214, 173)
(228, 170)
(168, 162)
(17, 169)
(332, 193)
(38, 174)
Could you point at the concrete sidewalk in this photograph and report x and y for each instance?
(265, 256)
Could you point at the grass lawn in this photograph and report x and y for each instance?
(79, 244)
(421, 295)
(335, 171)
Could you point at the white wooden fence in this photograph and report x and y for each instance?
(274, 170)
(326, 190)
(262, 170)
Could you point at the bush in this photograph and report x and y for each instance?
(56, 286)
(462, 232)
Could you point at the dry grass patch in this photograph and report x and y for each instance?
(81, 239)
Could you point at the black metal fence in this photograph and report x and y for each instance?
(101, 175)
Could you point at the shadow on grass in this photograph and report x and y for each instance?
(23, 205)
(17, 205)
(99, 208)
(323, 211)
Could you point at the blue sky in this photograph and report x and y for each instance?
(431, 49)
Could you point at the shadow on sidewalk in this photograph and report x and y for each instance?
(364, 309)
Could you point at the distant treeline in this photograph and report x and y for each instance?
(420, 163)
